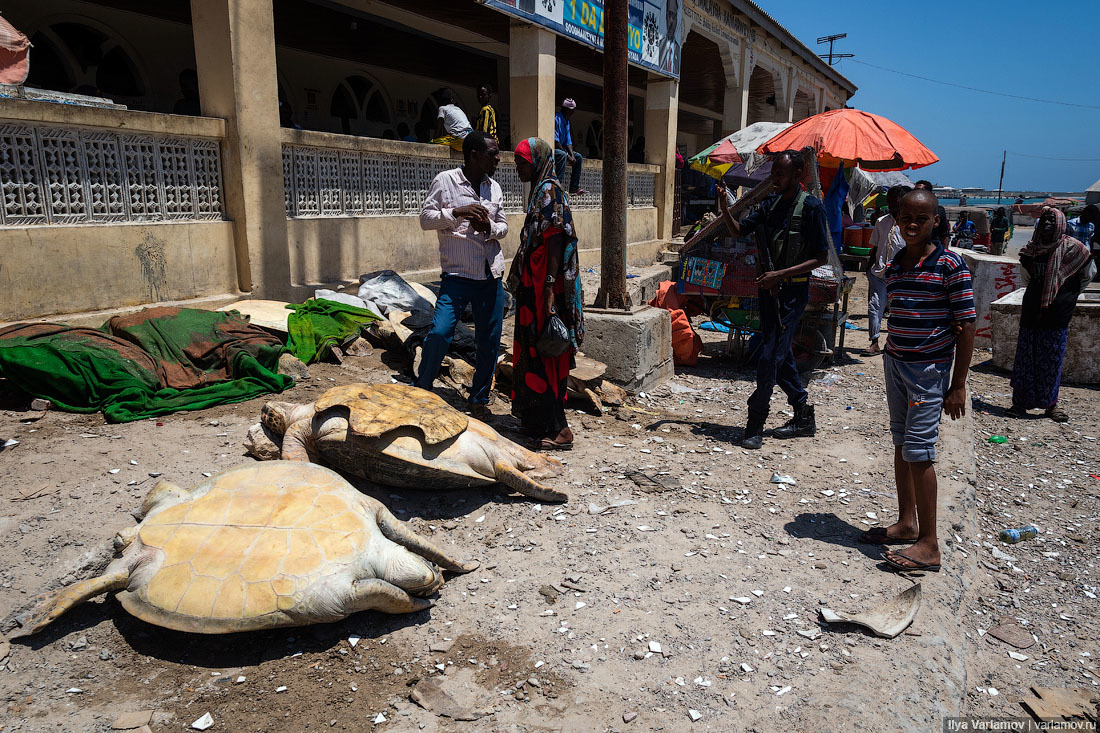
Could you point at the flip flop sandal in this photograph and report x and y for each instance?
(878, 536)
(868, 352)
(547, 444)
(916, 566)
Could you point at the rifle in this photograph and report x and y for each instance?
(764, 257)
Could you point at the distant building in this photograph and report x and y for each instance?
(1092, 194)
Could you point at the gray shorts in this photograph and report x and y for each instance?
(914, 394)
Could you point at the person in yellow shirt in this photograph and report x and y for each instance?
(487, 117)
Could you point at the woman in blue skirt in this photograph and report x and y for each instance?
(1057, 266)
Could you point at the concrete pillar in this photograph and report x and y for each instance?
(235, 61)
(661, 103)
(735, 109)
(532, 69)
(784, 102)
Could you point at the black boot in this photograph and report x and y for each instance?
(753, 436)
(802, 425)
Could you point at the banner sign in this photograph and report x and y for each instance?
(654, 26)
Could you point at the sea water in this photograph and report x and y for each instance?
(1005, 201)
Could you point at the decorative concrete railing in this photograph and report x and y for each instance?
(340, 175)
(88, 171)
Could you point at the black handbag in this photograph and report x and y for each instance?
(554, 339)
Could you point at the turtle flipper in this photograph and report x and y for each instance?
(396, 531)
(378, 595)
(48, 606)
(517, 480)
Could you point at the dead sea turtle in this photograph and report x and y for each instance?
(400, 435)
(256, 547)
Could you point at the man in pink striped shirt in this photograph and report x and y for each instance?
(466, 208)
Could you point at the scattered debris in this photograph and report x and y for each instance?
(430, 695)
(128, 721)
(1012, 633)
(596, 509)
(1052, 704)
(206, 721)
(781, 478)
(887, 620)
(649, 484)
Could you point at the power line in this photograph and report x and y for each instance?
(976, 89)
(1069, 160)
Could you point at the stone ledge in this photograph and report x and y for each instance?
(95, 319)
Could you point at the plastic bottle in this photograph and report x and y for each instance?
(998, 439)
(1012, 535)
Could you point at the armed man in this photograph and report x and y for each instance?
(793, 236)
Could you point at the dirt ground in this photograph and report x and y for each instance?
(699, 598)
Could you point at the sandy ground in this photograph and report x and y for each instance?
(703, 595)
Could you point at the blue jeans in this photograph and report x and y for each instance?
(560, 159)
(776, 361)
(487, 298)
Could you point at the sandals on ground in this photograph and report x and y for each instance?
(917, 565)
(547, 444)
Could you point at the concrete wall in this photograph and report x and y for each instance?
(337, 250)
(994, 276)
(64, 269)
(47, 270)
(1080, 365)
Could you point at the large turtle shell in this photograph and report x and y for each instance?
(241, 553)
(375, 409)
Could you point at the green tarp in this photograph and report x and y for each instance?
(155, 362)
(317, 325)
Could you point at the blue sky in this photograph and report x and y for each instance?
(1014, 47)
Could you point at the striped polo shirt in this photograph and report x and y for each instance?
(924, 303)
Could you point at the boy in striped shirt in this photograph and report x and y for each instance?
(932, 320)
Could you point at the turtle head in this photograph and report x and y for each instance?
(278, 416)
(414, 574)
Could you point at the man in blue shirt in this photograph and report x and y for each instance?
(793, 228)
(1084, 229)
(563, 147)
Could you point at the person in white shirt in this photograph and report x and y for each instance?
(886, 242)
(466, 208)
(452, 125)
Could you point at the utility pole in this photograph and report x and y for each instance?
(613, 230)
(831, 55)
(1001, 183)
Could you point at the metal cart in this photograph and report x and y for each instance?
(723, 272)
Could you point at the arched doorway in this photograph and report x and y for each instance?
(82, 58)
(360, 106)
(762, 98)
(803, 106)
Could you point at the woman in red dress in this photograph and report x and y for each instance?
(545, 281)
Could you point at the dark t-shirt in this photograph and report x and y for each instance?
(1058, 314)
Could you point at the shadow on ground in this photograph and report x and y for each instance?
(834, 530)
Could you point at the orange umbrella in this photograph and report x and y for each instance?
(854, 137)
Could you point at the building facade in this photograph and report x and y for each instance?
(190, 190)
